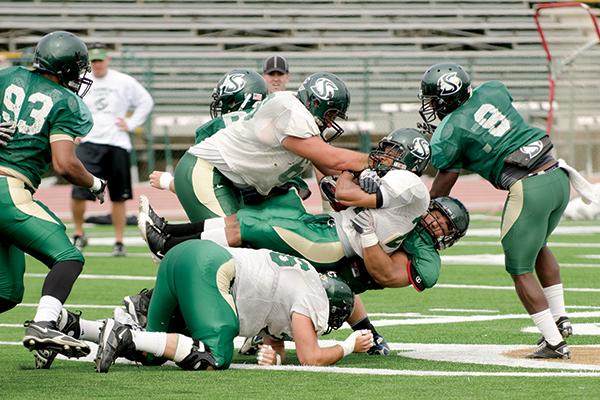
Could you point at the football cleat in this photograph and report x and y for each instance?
(44, 335)
(154, 237)
(147, 209)
(80, 241)
(250, 346)
(546, 350)
(68, 323)
(564, 327)
(137, 306)
(380, 348)
(119, 250)
(115, 341)
(199, 359)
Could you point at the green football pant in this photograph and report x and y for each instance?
(203, 191)
(27, 226)
(283, 225)
(532, 210)
(195, 276)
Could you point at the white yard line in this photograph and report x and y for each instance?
(489, 287)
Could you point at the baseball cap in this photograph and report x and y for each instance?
(97, 52)
(275, 64)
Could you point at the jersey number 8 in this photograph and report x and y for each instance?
(491, 119)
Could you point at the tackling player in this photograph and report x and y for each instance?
(46, 113)
(482, 132)
(225, 292)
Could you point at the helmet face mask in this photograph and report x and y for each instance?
(327, 98)
(65, 56)
(341, 300)
(239, 89)
(444, 88)
(404, 148)
(446, 220)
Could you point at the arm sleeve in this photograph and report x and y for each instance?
(72, 117)
(294, 123)
(400, 187)
(140, 99)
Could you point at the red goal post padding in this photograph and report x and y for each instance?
(554, 63)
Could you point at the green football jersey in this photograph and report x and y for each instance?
(423, 257)
(479, 134)
(214, 125)
(40, 109)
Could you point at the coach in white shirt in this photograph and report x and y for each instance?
(105, 150)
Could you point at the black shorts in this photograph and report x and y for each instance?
(106, 162)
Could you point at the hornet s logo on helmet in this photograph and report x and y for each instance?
(324, 88)
(449, 83)
(420, 148)
(232, 83)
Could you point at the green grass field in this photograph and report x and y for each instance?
(447, 342)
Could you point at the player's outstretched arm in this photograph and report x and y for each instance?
(310, 353)
(328, 159)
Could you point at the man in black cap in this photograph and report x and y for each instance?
(276, 72)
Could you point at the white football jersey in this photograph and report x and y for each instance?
(405, 199)
(270, 286)
(252, 147)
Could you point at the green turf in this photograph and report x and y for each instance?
(75, 380)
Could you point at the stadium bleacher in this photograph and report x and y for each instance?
(180, 48)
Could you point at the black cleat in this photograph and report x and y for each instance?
(546, 350)
(67, 323)
(380, 348)
(137, 306)
(564, 327)
(44, 335)
(80, 241)
(147, 209)
(250, 345)
(154, 237)
(115, 341)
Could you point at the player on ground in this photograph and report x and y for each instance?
(225, 292)
(47, 114)
(482, 132)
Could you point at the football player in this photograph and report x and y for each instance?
(236, 94)
(482, 132)
(45, 110)
(225, 292)
(274, 143)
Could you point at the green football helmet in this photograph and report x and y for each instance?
(341, 299)
(237, 90)
(404, 148)
(457, 221)
(65, 56)
(327, 98)
(444, 88)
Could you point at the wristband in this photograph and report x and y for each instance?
(96, 185)
(368, 240)
(165, 181)
(349, 343)
(277, 359)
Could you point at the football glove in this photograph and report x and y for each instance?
(7, 130)
(99, 193)
(369, 181)
(363, 223)
(327, 186)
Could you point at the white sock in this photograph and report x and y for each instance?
(184, 347)
(48, 309)
(545, 323)
(90, 330)
(556, 299)
(216, 235)
(150, 342)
